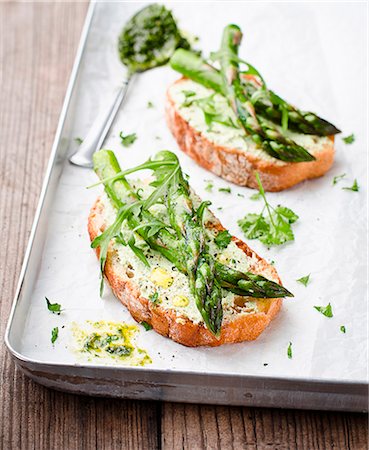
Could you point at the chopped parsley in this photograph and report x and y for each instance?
(78, 140)
(256, 196)
(272, 229)
(146, 325)
(154, 298)
(343, 328)
(304, 280)
(150, 104)
(227, 190)
(209, 186)
(349, 139)
(223, 238)
(289, 350)
(54, 334)
(127, 140)
(240, 195)
(338, 178)
(55, 308)
(158, 138)
(325, 310)
(354, 187)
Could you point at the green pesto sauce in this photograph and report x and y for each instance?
(149, 39)
(109, 341)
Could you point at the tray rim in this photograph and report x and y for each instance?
(52, 158)
(361, 385)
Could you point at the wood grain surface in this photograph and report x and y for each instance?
(38, 44)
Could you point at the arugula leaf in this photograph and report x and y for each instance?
(55, 308)
(54, 334)
(304, 280)
(343, 328)
(354, 187)
(272, 229)
(349, 139)
(137, 251)
(111, 232)
(223, 238)
(227, 190)
(325, 310)
(78, 140)
(150, 104)
(338, 178)
(256, 196)
(128, 140)
(146, 325)
(154, 298)
(289, 350)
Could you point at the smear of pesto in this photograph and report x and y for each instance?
(149, 39)
(109, 341)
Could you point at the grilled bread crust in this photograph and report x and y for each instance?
(239, 166)
(167, 322)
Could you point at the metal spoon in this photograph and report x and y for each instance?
(148, 40)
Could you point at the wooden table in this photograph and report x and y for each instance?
(38, 44)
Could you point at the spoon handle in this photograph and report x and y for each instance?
(99, 130)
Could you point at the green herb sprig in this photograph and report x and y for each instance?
(355, 187)
(127, 140)
(325, 310)
(272, 229)
(304, 280)
(54, 334)
(349, 139)
(55, 308)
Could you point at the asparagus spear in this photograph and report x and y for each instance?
(184, 244)
(270, 139)
(266, 102)
(269, 105)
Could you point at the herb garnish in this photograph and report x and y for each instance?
(128, 140)
(338, 178)
(325, 310)
(146, 325)
(55, 308)
(256, 196)
(227, 190)
(223, 238)
(354, 187)
(272, 229)
(154, 298)
(304, 280)
(289, 350)
(349, 139)
(209, 186)
(240, 195)
(343, 328)
(150, 104)
(78, 140)
(54, 334)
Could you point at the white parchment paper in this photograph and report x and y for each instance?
(313, 54)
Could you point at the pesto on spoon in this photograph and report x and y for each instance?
(148, 40)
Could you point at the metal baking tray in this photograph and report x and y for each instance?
(328, 369)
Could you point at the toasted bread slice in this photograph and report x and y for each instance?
(224, 150)
(133, 283)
